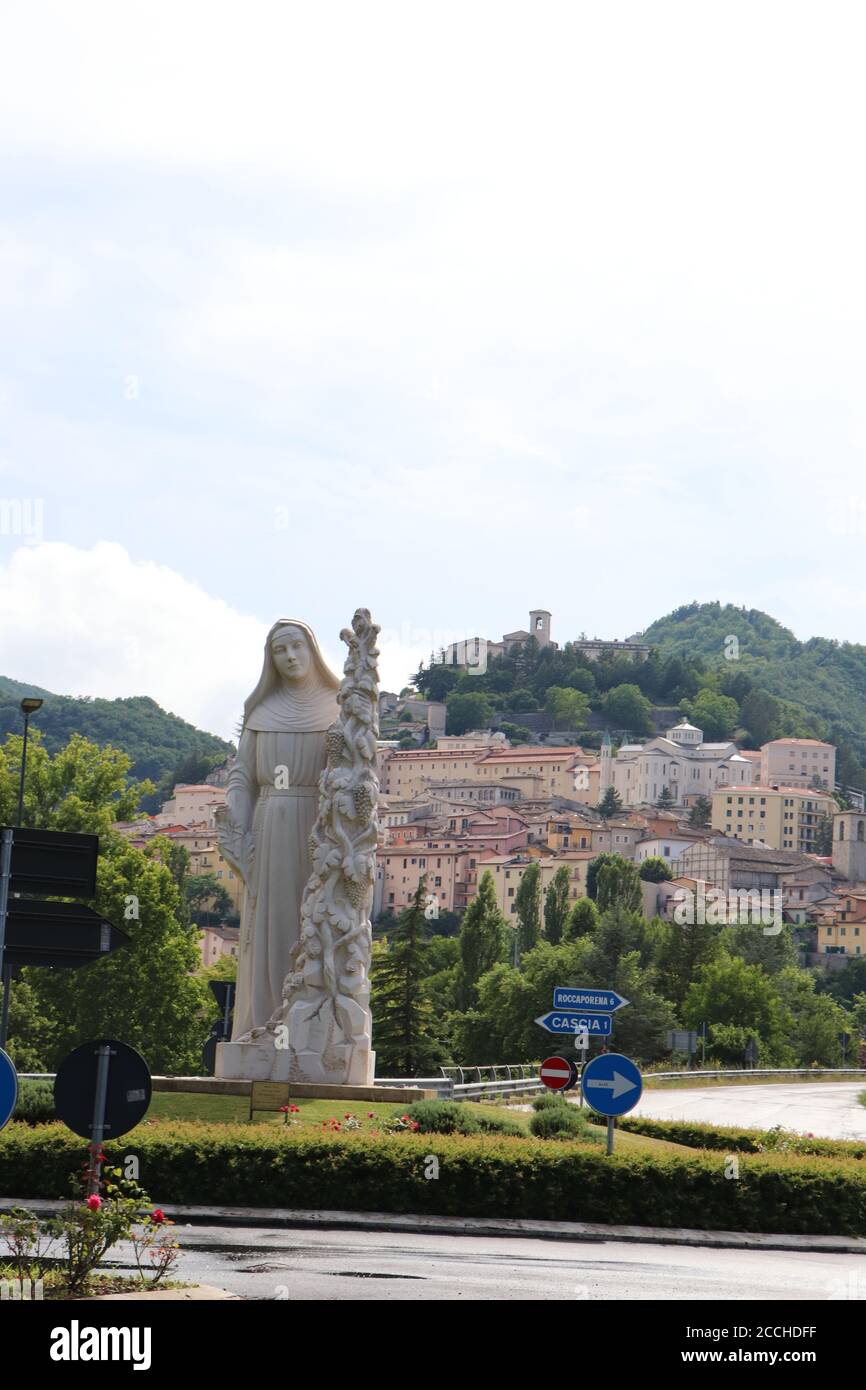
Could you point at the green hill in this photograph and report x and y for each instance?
(736, 672)
(824, 677)
(162, 747)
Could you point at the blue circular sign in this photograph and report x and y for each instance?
(611, 1084)
(8, 1088)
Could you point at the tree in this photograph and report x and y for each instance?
(824, 839)
(570, 708)
(527, 904)
(701, 813)
(404, 1023)
(556, 906)
(760, 713)
(728, 991)
(483, 938)
(816, 1020)
(771, 951)
(206, 897)
(654, 869)
(583, 920)
(501, 1027)
(715, 714)
(516, 733)
(681, 949)
(145, 993)
(594, 868)
(619, 886)
(627, 708)
(666, 799)
(466, 711)
(610, 804)
(522, 702)
(82, 787)
(620, 932)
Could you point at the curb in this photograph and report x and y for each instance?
(198, 1293)
(406, 1223)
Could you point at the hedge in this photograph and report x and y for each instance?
(734, 1140)
(484, 1175)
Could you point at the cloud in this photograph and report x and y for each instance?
(97, 622)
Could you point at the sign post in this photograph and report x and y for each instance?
(581, 1043)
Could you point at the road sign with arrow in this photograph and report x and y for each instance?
(611, 1084)
(562, 1021)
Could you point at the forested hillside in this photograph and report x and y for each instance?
(163, 748)
(736, 673)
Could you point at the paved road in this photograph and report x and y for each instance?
(336, 1266)
(828, 1108)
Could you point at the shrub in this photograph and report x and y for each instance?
(35, 1103)
(549, 1099)
(499, 1124)
(442, 1117)
(561, 1122)
(485, 1175)
(735, 1140)
(451, 1117)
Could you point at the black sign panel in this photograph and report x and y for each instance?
(59, 934)
(129, 1088)
(54, 862)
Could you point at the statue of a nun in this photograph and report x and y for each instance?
(271, 807)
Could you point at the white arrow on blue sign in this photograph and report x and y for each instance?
(605, 1001)
(561, 1021)
(611, 1084)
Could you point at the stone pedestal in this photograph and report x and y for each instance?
(262, 1061)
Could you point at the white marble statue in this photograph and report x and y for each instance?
(299, 825)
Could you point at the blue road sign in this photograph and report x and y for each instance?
(604, 1001)
(611, 1084)
(562, 1021)
(8, 1088)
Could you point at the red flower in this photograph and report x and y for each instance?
(295, 1109)
(348, 1115)
(94, 1202)
(284, 1109)
(157, 1216)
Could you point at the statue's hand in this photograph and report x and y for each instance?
(249, 855)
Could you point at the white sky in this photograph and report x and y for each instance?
(451, 311)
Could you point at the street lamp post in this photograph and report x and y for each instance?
(29, 705)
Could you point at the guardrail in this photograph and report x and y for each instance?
(442, 1085)
(696, 1073)
(478, 1090)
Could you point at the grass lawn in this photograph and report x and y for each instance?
(168, 1105)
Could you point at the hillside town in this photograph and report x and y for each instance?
(453, 807)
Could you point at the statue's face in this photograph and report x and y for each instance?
(291, 653)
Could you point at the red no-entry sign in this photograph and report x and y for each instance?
(558, 1073)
